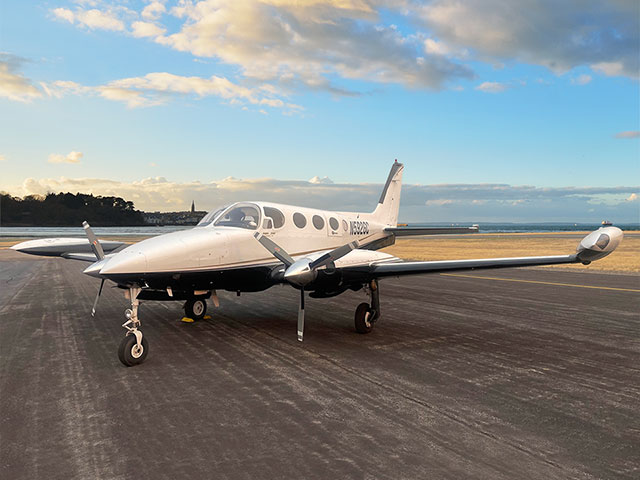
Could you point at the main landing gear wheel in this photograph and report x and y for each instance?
(195, 308)
(363, 318)
(130, 353)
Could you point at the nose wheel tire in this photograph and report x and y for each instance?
(363, 318)
(195, 308)
(130, 353)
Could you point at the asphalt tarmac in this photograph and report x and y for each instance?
(525, 373)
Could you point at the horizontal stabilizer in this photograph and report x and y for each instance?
(413, 231)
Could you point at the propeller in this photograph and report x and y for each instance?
(99, 253)
(95, 302)
(302, 272)
(93, 240)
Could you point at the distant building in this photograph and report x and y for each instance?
(193, 206)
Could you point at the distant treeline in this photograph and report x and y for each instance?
(67, 210)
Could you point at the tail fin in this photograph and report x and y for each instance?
(386, 211)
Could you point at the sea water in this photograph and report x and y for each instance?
(39, 232)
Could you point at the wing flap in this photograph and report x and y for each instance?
(415, 268)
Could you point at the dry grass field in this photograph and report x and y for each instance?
(626, 258)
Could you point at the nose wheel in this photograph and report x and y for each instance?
(133, 347)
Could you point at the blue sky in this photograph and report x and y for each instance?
(160, 102)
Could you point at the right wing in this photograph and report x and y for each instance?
(406, 231)
(72, 248)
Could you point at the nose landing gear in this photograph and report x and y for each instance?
(366, 315)
(134, 347)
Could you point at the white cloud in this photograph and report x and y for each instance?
(434, 203)
(317, 179)
(557, 35)
(156, 88)
(13, 85)
(305, 43)
(153, 10)
(581, 79)
(64, 14)
(72, 157)
(492, 87)
(146, 29)
(628, 134)
(93, 19)
(611, 69)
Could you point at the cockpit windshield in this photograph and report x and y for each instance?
(211, 216)
(242, 215)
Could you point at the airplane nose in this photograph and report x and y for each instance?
(129, 260)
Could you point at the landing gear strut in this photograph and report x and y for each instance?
(366, 315)
(134, 347)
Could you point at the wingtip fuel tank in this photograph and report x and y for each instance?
(599, 244)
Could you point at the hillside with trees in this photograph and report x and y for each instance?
(67, 210)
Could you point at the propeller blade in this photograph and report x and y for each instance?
(301, 316)
(95, 302)
(93, 240)
(274, 249)
(333, 255)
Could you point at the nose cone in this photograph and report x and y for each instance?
(93, 270)
(130, 260)
(300, 274)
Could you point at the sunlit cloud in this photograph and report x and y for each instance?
(72, 157)
(157, 88)
(146, 29)
(557, 35)
(628, 134)
(14, 85)
(448, 202)
(492, 87)
(581, 79)
(93, 19)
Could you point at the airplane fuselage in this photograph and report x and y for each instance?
(216, 255)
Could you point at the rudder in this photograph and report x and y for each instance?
(386, 211)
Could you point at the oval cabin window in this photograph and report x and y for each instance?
(345, 227)
(318, 222)
(299, 220)
(334, 224)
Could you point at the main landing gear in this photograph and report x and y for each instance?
(134, 347)
(366, 315)
(195, 308)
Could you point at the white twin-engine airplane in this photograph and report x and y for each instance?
(252, 246)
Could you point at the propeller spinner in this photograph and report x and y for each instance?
(302, 272)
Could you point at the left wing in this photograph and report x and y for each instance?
(594, 246)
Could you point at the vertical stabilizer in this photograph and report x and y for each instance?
(387, 210)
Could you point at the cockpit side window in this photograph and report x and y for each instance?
(211, 216)
(241, 216)
(276, 215)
